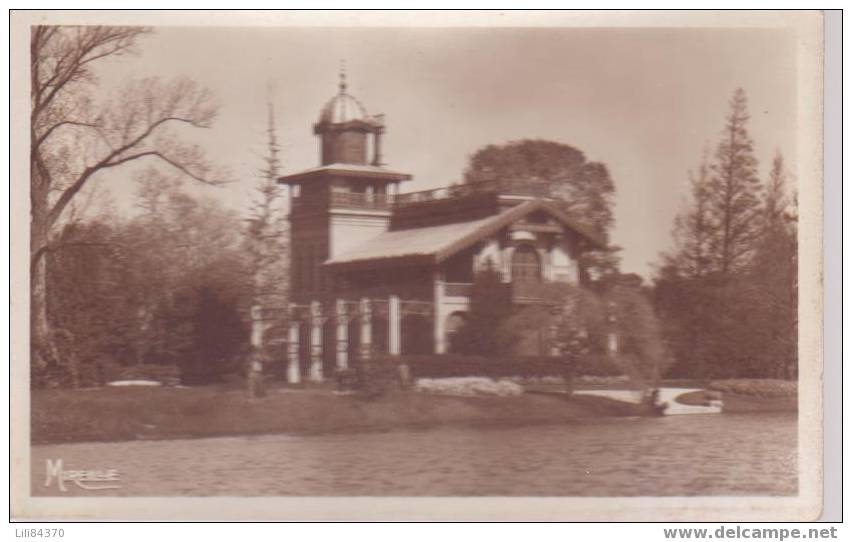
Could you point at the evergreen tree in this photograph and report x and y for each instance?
(734, 189)
(693, 228)
(267, 229)
(733, 263)
(266, 242)
(774, 273)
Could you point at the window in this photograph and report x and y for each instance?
(526, 267)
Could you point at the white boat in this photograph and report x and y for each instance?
(673, 407)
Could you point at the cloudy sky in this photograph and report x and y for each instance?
(643, 101)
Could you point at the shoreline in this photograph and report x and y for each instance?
(139, 414)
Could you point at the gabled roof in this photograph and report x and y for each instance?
(346, 170)
(434, 244)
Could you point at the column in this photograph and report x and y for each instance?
(553, 340)
(377, 148)
(256, 328)
(439, 316)
(293, 376)
(506, 263)
(394, 322)
(342, 335)
(612, 343)
(612, 336)
(366, 346)
(316, 342)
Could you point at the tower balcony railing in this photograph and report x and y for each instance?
(361, 200)
(364, 200)
(534, 189)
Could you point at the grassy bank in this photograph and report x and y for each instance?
(113, 414)
(738, 396)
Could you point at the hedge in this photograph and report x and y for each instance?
(757, 387)
(451, 365)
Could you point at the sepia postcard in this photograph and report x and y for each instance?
(416, 265)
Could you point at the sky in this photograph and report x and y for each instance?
(645, 102)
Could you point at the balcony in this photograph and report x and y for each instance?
(501, 187)
(361, 200)
(520, 293)
(385, 202)
(457, 289)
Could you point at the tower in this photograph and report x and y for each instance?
(344, 127)
(344, 201)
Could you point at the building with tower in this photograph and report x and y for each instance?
(376, 270)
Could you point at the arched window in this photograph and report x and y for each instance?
(526, 266)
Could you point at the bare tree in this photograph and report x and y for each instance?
(73, 139)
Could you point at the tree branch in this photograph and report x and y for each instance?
(41, 139)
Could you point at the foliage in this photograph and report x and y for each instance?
(756, 387)
(93, 319)
(216, 338)
(73, 140)
(570, 316)
(774, 274)
(457, 365)
(641, 350)
(693, 227)
(266, 243)
(734, 193)
(162, 288)
(734, 262)
(489, 305)
(266, 235)
(583, 189)
(577, 322)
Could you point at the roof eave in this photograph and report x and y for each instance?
(372, 263)
(342, 172)
(514, 214)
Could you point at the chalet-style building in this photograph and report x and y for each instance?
(375, 270)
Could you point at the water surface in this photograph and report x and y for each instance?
(713, 455)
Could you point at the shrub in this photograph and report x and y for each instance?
(454, 365)
(372, 378)
(597, 364)
(490, 304)
(756, 387)
(215, 340)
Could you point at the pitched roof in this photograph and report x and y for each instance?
(437, 243)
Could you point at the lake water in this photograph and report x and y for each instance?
(747, 454)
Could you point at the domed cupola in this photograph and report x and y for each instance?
(343, 127)
(343, 108)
